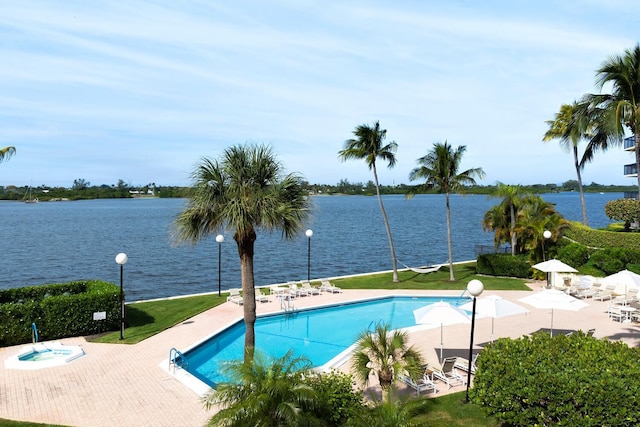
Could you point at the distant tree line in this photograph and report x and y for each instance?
(83, 190)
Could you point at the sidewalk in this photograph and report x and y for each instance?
(124, 385)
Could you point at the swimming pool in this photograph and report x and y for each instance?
(321, 334)
(43, 355)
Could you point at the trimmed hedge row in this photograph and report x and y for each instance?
(58, 310)
(504, 265)
(601, 239)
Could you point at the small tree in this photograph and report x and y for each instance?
(545, 381)
(627, 210)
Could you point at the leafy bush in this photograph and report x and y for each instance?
(545, 381)
(627, 210)
(503, 265)
(58, 310)
(597, 239)
(338, 400)
(612, 260)
(573, 254)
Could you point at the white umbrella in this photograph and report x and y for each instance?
(494, 306)
(623, 280)
(440, 313)
(554, 299)
(554, 266)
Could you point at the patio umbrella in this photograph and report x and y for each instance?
(623, 280)
(494, 306)
(555, 300)
(440, 313)
(554, 266)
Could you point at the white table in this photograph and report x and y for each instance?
(627, 310)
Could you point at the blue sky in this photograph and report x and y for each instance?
(141, 90)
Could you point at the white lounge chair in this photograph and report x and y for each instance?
(447, 373)
(420, 384)
(606, 294)
(463, 363)
(260, 296)
(278, 290)
(329, 287)
(590, 291)
(297, 291)
(311, 290)
(234, 296)
(630, 297)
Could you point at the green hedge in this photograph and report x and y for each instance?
(58, 310)
(601, 239)
(504, 265)
(562, 381)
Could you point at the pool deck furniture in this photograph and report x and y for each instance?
(327, 286)
(447, 373)
(425, 383)
(130, 385)
(234, 296)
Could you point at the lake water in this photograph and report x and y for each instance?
(55, 242)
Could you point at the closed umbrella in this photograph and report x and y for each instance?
(623, 280)
(554, 266)
(440, 313)
(555, 300)
(495, 306)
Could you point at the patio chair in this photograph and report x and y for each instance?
(261, 296)
(606, 294)
(234, 296)
(630, 297)
(447, 373)
(278, 290)
(463, 363)
(329, 287)
(615, 313)
(587, 288)
(311, 290)
(297, 291)
(420, 384)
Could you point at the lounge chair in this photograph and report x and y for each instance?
(587, 288)
(311, 290)
(329, 287)
(420, 384)
(463, 363)
(297, 291)
(447, 373)
(630, 297)
(606, 294)
(260, 296)
(278, 290)
(234, 296)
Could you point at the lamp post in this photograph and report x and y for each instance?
(475, 288)
(219, 239)
(121, 259)
(309, 233)
(546, 234)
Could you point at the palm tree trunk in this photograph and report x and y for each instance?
(451, 278)
(577, 166)
(245, 250)
(512, 232)
(386, 224)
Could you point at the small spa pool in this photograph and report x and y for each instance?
(322, 334)
(43, 355)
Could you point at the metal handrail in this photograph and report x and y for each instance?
(34, 333)
(176, 358)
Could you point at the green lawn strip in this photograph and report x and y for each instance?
(451, 410)
(146, 319)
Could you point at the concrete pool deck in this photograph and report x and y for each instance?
(117, 384)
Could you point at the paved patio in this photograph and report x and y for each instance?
(124, 385)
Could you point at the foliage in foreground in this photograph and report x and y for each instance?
(564, 380)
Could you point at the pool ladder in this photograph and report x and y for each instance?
(176, 358)
(34, 333)
(286, 303)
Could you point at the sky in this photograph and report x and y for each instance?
(141, 91)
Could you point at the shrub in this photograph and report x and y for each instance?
(338, 400)
(627, 210)
(601, 239)
(503, 265)
(573, 254)
(545, 381)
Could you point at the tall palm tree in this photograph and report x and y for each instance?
(265, 393)
(570, 127)
(384, 353)
(244, 192)
(536, 216)
(368, 146)
(511, 201)
(7, 152)
(439, 168)
(621, 108)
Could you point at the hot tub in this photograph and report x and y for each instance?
(43, 355)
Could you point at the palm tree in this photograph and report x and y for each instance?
(6, 153)
(368, 146)
(439, 168)
(511, 201)
(619, 109)
(265, 393)
(406, 412)
(570, 127)
(536, 216)
(383, 352)
(245, 191)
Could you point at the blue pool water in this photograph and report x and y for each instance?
(319, 334)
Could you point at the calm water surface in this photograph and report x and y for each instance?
(54, 242)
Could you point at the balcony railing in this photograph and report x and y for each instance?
(629, 143)
(630, 169)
